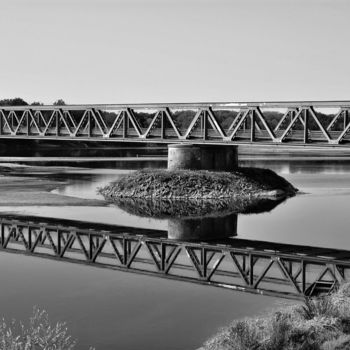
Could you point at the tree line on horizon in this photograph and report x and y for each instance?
(18, 101)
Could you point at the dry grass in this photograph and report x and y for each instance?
(320, 324)
(245, 182)
(39, 334)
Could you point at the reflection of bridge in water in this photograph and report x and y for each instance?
(272, 123)
(254, 266)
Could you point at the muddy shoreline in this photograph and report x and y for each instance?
(24, 186)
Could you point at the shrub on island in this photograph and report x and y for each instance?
(199, 184)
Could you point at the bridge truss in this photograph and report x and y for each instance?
(298, 123)
(283, 270)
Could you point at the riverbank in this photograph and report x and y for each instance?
(25, 185)
(190, 184)
(322, 323)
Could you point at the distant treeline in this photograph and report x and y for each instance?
(225, 119)
(17, 101)
(183, 118)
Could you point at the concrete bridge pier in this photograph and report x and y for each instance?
(207, 228)
(202, 157)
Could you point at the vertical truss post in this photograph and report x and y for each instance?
(162, 256)
(1, 116)
(125, 251)
(303, 276)
(89, 123)
(2, 234)
(91, 247)
(125, 125)
(91, 243)
(30, 240)
(244, 267)
(252, 125)
(204, 262)
(204, 124)
(162, 125)
(28, 123)
(129, 246)
(12, 119)
(59, 242)
(346, 118)
(251, 270)
(57, 117)
(306, 125)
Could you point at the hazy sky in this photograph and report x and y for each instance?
(119, 51)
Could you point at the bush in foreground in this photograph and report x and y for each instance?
(322, 323)
(39, 334)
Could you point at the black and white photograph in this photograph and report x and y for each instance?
(174, 174)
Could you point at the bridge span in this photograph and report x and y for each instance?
(253, 266)
(308, 124)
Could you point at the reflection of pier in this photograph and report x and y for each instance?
(206, 228)
(259, 267)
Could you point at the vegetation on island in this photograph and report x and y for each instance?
(38, 334)
(199, 184)
(321, 323)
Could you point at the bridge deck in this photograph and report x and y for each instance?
(254, 266)
(276, 123)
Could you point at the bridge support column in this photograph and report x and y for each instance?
(207, 228)
(202, 157)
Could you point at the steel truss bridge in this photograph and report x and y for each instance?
(272, 123)
(254, 266)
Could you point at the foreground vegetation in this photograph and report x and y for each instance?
(243, 183)
(39, 334)
(322, 323)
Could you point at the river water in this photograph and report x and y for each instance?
(111, 309)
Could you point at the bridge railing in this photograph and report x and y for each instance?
(299, 123)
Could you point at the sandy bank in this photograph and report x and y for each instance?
(22, 186)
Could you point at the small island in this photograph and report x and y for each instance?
(243, 183)
(198, 204)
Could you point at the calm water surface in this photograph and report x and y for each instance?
(111, 309)
(318, 216)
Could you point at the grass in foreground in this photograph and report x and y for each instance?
(322, 323)
(39, 334)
